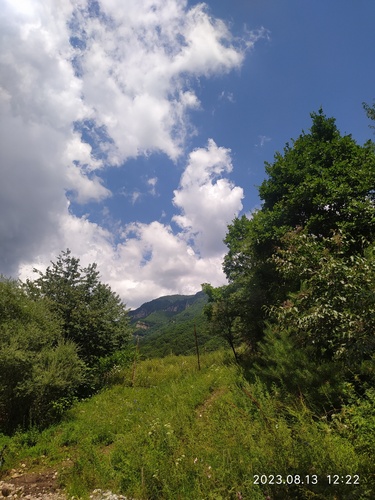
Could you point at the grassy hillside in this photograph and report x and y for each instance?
(180, 433)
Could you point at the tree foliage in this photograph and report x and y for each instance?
(39, 369)
(322, 336)
(301, 268)
(334, 307)
(323, 183)
(222, 313)
(92, 315)
(370, 111)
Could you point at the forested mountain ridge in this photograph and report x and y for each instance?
(170, 305)
(167, 324)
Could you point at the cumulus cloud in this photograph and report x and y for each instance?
(85, 86)
(135, 65)
(161, 262)
(208, 201)
(153, 261)
(148, 262)
(39, 100)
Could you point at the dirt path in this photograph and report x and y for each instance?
(202, 409)
(43, 486)
(21, 484)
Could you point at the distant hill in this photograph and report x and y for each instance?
(159, 311)
(166, 325)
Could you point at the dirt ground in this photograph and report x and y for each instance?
(43, 486)
(21, 484)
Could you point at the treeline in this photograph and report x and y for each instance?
(301, 272)
(60, 336)
(178, 338)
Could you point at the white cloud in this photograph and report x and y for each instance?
(150, 261)
(85, 188)
(227, 96)
(208, 201)
(125, 78)
(135, 69)
(263, 139)
(154, 262)
(135, 196)
(152, 183)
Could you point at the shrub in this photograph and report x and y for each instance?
(37, 367)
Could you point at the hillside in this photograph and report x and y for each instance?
(166, 326)
(164, 310)
(177, 432)
(169, 304)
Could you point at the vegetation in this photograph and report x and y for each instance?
(178, 338)
(370, 111)
(59, 337)
(222, 313)
(183, 433)
(168, 309)
(167, 326)
(322, 184)
(40, 371)
(92, 315)
(301, 270)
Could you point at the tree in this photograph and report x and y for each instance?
(92, 315)
(39, 370)
(324, 182)
(322, 336)
(221, 312)
(334, 307)
(370, 111)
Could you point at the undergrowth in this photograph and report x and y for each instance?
(169, 431)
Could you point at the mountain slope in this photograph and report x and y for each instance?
(166, 325)
(159, 311)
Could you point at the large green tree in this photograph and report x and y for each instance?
(92, 315)
(323, 182)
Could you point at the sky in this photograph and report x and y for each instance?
(134, 131)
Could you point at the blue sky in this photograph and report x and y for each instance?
(134, 131)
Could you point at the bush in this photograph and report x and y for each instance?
(299, 372)
(37, 366)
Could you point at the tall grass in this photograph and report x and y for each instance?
(180, 433)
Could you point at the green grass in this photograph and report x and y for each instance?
(180, 433)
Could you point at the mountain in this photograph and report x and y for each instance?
(168, 306)
(166, 325)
